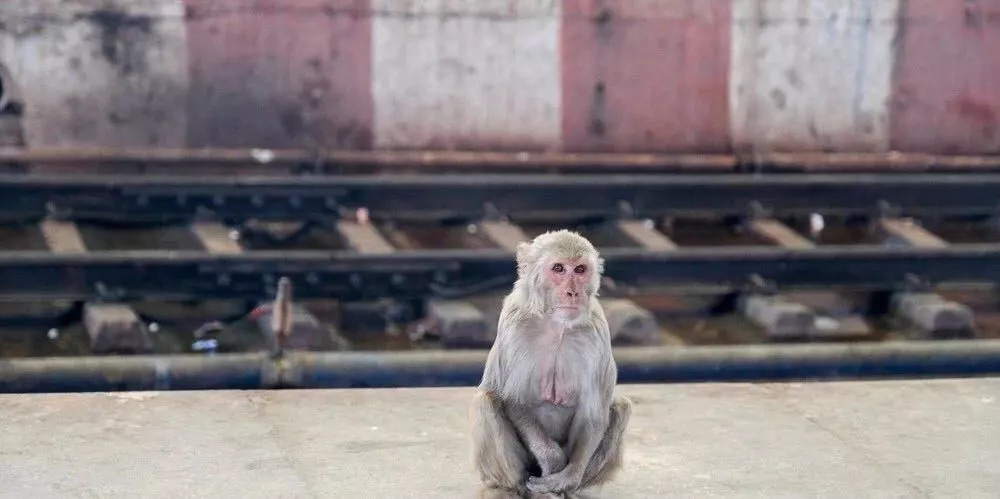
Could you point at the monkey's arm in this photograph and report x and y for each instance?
(585, 433)
(549, 454)
(585, 436)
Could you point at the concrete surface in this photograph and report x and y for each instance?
(873, 439)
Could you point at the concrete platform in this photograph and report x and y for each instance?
(863, 439)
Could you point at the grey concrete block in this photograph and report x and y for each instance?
(631, 324)
(779, 318)
(459, 323)
(929, 314)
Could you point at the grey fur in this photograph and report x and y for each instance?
(576, 443)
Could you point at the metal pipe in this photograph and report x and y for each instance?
(670, 364)
(810, 361)
(146, 372)
(464, 368)
(387, 369)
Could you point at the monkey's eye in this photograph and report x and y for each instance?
(579, 269)
(557, 268)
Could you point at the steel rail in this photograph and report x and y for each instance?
(266, 159)
(126, 275)
(464, 368)
(435, 197)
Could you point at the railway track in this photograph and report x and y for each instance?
(361, 249)
(719, 275)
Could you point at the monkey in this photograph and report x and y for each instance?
(545, 420)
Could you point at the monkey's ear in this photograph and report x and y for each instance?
(600, 265)
(523, 255)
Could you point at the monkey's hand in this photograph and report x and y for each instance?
(551, 460)
(566, 480)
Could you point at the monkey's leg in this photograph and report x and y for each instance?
(498, 454)
(607, 459)
(547, 453)
(586, 432)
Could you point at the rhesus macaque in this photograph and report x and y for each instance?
(545, 420)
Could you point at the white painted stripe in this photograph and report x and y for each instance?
(812, 74)
(466, 73)
(114, 74)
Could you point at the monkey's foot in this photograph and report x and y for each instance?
(564, 481)
(498, 493)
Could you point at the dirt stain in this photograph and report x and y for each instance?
(983, 115)
(597, 110)
(124, 38)
(778, 96)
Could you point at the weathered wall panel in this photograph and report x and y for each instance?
(645, 75)
(107, 74)
(581, 75)
(947, 84)
(469, 74)
(812, 74)
(280, 74)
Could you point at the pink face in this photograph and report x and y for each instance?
(568, 281)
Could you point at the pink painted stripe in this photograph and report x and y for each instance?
(645, 76)
(274, 73)
(946, 97)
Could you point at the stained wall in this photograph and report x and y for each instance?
(557, 75)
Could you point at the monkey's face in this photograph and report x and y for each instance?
(568, 284)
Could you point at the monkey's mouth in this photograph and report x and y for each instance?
(568, 307)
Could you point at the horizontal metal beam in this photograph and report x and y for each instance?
(452, 273)
(145, 372)
(473, 196)
(268, 159)
(512, 161)
(667, 364)
(464, 368)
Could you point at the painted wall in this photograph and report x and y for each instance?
(571, 75)
(112, 76)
